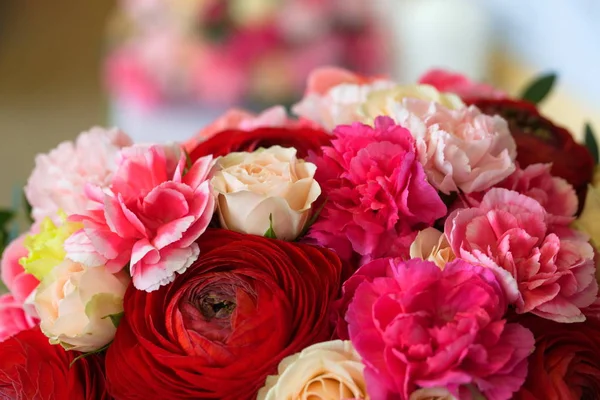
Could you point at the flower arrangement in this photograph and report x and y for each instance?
(432, 241)
(224, 52)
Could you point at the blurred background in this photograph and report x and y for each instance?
(162, 68)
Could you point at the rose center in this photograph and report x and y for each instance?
(218, 306)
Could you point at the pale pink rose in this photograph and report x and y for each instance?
(59, 177)
(417, 326)
(447, 81)
(150, 217)
(19, 283)
(461, 149)
(548, 275)
(13, 318)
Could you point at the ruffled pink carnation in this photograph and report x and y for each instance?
(59, 177)
(377, 193)
(417, 326)
(150, 217)
(548, 275)
(446, 81)
(19, 283)
(13, 318)
(461, 149)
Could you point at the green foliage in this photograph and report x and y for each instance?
(591, 143)
(537, 90)
(270, 233)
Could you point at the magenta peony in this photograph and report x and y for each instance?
(150, 217)
(377, 193)
(59, 177)
(417, 326)
(543, 273)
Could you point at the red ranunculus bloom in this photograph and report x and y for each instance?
(33, 369)
(219, 330)
(566, 361)
(304, 139)
(540, 141)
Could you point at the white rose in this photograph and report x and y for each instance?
(432, 245)
(75, 303)
(252, 188)
(328, 370)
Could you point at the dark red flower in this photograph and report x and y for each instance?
(304, 139)
(539, 141)
(220, 328)
(33, 369)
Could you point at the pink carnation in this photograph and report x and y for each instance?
(13, 318)
(150, 217)
(461, 149)
(377, 194)
(446, 81)
(548, 275)
(19, 283)
(59, 177)
(417, 326)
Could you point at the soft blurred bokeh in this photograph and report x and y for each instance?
(52, 54)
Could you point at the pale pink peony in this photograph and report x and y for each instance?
(548, 275)
(19, 283)
(461, 149)
(59, 177)
(13, 318)
(446, 81)
(417, 326)
(150, 216)
(378, 197)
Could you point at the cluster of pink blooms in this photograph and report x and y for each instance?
(446, 242)
(224, 52)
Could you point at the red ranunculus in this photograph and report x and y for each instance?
(33, 369)
(304, 139)
(566, 361)
(539, 141)
(218, 330)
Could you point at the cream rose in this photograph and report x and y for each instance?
(381, 102)
(253, 189)
(75, 303)
(328, 370)
(432, 245)
(432, 394)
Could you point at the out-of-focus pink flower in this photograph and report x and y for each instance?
(460, 149)
(377, 193)
(19, 283)
(548, 275)
(13, 318)
(415, 325)
(59, 177)
(446, 81)
(150, 216)
(323, 79)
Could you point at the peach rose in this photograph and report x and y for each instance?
(432, 245)
(266, 186)
(75, 305)
(328, 370)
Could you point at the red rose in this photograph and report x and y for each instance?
(566, 361)
(33, 369)
(304, 139)
(220, 328)
(539, 141)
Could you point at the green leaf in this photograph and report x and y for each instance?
(83, 355)
(539, 88)
(6, 216)
(313, 219)
(270, 233)
(115, 318)
(591, 143)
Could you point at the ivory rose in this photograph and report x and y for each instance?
(253, 189)
(432, 245)
(328, 370)
(75, 303)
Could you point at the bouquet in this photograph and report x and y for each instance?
(222, 52)
(426, 241)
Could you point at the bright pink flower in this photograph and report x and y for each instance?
(150, 216)
(377, 193)
(13, 318)
(19, 283)
(59, 177)
(543, 273)
(446, 81)
(415, 325)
